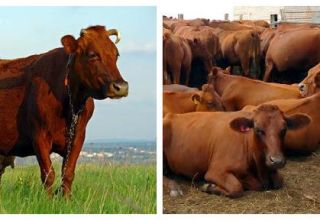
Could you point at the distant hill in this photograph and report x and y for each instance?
(119, 140)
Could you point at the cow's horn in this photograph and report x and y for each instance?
(115, 32)
(83, 32)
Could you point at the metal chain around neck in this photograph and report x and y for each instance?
(74, 117)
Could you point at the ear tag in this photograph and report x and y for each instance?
(66, 81)
(244, 128)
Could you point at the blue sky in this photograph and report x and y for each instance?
(31, 30)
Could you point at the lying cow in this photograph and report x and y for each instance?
(179, 88)
(311, 84)
(182, 102)
(237, 91)
(233, 151)
(47, 100)
(306, 140)
(5, 161)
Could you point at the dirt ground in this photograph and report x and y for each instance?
(300, 194)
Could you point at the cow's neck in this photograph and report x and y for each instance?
(75, 92)
(256, 156)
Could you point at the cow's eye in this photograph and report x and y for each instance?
(210, 104)
(260, 132)
(93, 56)
(283, 132)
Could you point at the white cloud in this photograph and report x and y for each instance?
(132, 47)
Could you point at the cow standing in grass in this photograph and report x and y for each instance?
(46, 100)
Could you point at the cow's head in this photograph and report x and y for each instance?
(95, 62)
(311, 84)
(270, 125)
(208, 99)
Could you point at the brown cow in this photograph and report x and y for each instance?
(242, 48)
(293, 51)
(6, 161)
(177, 59)
(179, 88)
(233, 151)
(253, 23)
(311, 84)
(305, 140)
(237, 91)
(205, 49)
(183, 102)
(46, 104)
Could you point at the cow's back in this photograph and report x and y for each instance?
(204, 134)
(295, 49)
(13, 83)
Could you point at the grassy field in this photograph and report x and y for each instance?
(300, 193)
(96, 189)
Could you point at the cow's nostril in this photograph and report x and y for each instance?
(278, 160)
(301, 86)
(116, 86)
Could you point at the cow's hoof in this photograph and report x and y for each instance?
(210, 188)
(176, 193)
(58, 192)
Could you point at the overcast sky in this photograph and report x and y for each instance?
(31, 30)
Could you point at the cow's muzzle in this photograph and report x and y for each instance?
(276, 162)
(303, 89)
(118, 89)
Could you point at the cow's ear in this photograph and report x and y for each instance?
(317, 80)
(196, 99)
(204, 87)
(196, 40)
(241, 124)
(297, 121)
(212, 75)
(69, 43)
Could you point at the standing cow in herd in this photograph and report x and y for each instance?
(177, 59)
(46, 100)
(293, 51)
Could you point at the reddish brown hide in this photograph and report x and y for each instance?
(36, 110)
(237, 91)
(233, 151)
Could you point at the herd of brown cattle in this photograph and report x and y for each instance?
(235, 132)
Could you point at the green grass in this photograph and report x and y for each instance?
(96, 189)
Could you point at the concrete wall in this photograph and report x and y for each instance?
(309, 14)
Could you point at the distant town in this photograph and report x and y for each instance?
(109, 152)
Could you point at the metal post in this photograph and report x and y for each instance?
(226, 17)
(274, 20)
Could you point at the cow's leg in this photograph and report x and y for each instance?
(252, 183)
(69, 164)
(172, 186)
(166, 78)
(187, 72)
(226, 183)
(245, 65)
(42, 146)
(268, 71)
(276, 180)
(1, 171)
(176, 71)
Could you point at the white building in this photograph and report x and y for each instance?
(310, 14)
